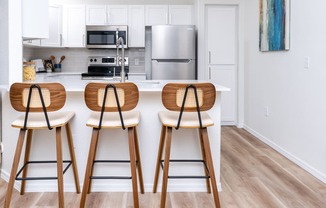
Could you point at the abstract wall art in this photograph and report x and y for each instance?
(274, 25)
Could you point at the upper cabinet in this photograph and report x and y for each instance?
(169, 14)
(74, 26)
(136, 26)
(156, 15)
(180, 15)
(106, 15)
(54, 28)
(34, 25)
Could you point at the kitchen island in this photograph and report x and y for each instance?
(113, 144)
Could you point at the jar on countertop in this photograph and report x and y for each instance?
(29, 71)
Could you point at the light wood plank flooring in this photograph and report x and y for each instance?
(252, 175)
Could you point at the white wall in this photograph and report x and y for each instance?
(10, 41)
(295, 97)
(4, 42)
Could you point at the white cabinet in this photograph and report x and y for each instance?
(34, 25)
(117, 15)
(74, 26)
(96, 15)
(169, 14)
(156, 15)
(106, 15)
(180, 15)
(136, 26)
(221, 52)
(55, 27)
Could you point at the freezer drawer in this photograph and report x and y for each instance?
(177, 70)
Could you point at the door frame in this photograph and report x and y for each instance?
(202, 55)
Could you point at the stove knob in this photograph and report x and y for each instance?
(91, 60)
(95, 60)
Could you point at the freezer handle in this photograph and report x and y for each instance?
(173, 60)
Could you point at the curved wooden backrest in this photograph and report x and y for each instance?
(128, 96)
(173, 94)
(54, 95)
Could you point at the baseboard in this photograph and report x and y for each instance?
(313, 171)
(46, 186)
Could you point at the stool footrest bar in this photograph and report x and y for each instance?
(41, 162)
(112, 177)
(188, 177)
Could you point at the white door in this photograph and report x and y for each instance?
(221, 52)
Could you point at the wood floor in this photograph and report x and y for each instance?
(252, 175)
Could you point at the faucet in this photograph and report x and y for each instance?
(122, 73)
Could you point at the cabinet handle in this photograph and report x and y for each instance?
(83, 39)
(61, 40)
(167, 18)
(107, 18)
(209, 73)
(170, 18)
(209, 57)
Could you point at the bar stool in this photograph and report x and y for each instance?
(112, 104)
(186, 103)
(41, 103)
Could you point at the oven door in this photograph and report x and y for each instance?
(103, 39)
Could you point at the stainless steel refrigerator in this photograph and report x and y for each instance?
(174, 52)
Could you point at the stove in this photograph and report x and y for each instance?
(100, 67)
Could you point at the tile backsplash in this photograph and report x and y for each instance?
(76, 58)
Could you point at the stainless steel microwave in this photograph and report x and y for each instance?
(106, 36)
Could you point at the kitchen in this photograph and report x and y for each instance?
(262, 126)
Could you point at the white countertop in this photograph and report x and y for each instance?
(73, 82)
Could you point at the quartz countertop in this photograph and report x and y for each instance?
(73, 82)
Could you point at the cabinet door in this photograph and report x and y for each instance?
(55, 27)
(156, 15)
(136, 26)
(34, 23)
(180, 15)
(117, 15)
(221, 56)
(96, 15)
(74, 26)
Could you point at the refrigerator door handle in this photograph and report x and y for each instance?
(173, 60)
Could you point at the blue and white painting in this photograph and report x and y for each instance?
(274, 25)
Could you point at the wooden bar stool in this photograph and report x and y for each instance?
(187, 103)
(111, 105)
(41, 103)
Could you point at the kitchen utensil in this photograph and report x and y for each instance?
(61, 59)
(53, 59)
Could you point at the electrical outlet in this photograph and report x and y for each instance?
(306, 62)
(266, 111)
(136, 61)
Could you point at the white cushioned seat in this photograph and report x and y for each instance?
(37, 120)
(112, 119)
(188, 120)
